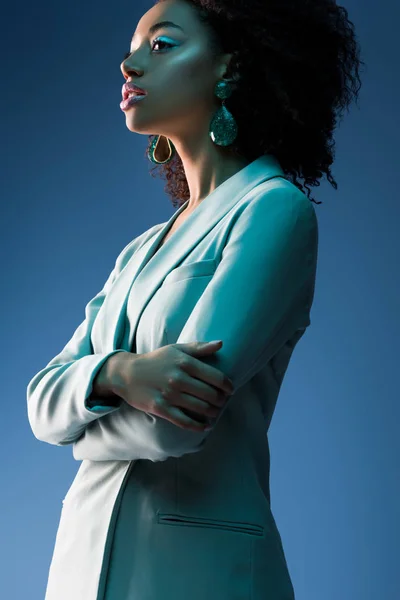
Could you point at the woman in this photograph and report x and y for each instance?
(162, 507)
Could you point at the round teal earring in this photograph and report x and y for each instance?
(223, 129)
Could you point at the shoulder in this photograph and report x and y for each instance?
(281, 192)
(277, 205)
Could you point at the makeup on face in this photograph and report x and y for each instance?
(130, 101)
(163, 43)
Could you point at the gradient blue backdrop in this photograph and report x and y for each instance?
(76, 188)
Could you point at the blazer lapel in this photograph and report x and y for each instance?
(148, 267)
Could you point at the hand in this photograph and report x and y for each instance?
(169, 379)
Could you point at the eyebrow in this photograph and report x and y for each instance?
(160, 25)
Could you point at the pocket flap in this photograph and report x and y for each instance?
(194, 269)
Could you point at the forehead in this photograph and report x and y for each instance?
(175, 11)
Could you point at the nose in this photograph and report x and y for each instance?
(128, 69)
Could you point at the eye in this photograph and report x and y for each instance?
(157, 41)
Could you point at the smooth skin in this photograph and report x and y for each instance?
(179, 75)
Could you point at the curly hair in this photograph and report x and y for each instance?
(298, 61)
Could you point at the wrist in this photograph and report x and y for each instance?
(115, 370)
(102, 386)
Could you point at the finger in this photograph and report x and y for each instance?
(209, 375)
(184, 421)
(201, 397)
(195, 403)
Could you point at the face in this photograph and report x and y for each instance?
(174, 66)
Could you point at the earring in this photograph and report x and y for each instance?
(164, 154)
(223, 129)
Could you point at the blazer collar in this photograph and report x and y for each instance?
(147, 268)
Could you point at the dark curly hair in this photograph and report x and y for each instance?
(298, 60)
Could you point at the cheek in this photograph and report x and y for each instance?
(185, 75)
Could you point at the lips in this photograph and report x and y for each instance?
(129, 89)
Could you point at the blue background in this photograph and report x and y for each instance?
(76, 188)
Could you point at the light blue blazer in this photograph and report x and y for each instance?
(158, 512)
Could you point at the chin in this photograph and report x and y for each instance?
(135, 127)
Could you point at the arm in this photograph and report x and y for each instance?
(255, 301)
(60, 396)
(57, 394)
(103, 396)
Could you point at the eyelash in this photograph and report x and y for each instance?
(157, 41)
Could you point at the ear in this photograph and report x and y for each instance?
(230, 70)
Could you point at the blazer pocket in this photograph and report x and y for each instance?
(200, 268)
(185, 521)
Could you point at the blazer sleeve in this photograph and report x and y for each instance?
(58, 396)
(259, 296)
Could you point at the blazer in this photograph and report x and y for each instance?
(156, 511)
